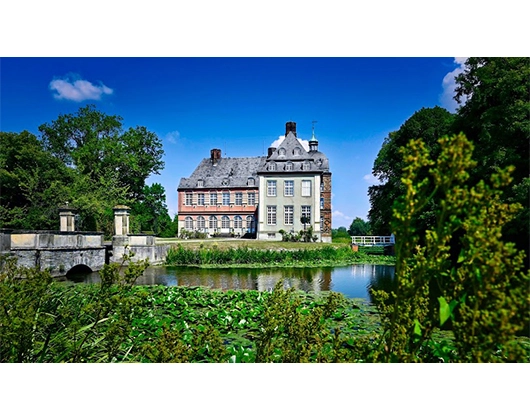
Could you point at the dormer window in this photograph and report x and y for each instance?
(251, 182)
(297, 151)
(289, 166)
(306, 166)
(224, 181)
(281, 152)
(272, 166)
(200, 183)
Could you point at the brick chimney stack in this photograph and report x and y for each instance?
(290, 126)
(215, 156)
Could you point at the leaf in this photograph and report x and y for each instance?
(445, 310)
(417, 327)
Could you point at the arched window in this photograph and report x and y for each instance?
(200, 222)
(238, 222)
(213, 222)
(289, 166)
(250, 223)
(306, 166)
(250, 182)
(297, 151)
(225, 222)
(272, 166)
(281, 152)
(189, 223)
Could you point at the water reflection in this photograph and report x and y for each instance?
(354, 281)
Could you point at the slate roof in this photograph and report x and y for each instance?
(227, 173)
(318, 162)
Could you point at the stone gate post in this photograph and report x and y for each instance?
(121, 220)
(67, 216)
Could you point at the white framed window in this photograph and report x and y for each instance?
(250, 222)
(225, 222)
(306, 188)
(281, 151)
(239, 199)
(200, 199)
(212, 222)
(288, 188)
(288, 215)
(188, 223)
(289, 166)
(201, 222)
(251, 199)
(213, 199)
(189, 199)
(226, 198)
(306, 212)
(297, 151)
(238, 222)
(200, 183)
(271, 215)
(271, 188)
(251, 182)
(272, 166)
(306, 166)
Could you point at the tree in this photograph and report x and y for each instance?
(150, 213)
(33, 183)
(359, 227)
(97, 146)
(495, 116)
(429, 124)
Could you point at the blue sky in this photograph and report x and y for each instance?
(239, 105)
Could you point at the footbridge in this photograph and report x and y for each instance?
(373, 240)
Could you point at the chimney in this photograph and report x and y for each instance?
(290, 126)
(270, 151)
(215, 156)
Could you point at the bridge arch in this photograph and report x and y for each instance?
(78, 269)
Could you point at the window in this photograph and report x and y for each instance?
(271, 215)
(297, 151)
(200, 199)
(272, 166)
(200, 183)
(321, 187)
(306, 213)
(238, 222)
(289, 166)
(213, 222)
(288, 212)
(288, 188)
(250, 182)
(201, 222)
(251, 199)
(306, 166)
(225, 222)
(321, 202)
(189, 223)
(213, 199)
(226, 198)
(250, 222)
(281, 151)
(271, 188)
(239, 199)
(306, 188)
(189, 199)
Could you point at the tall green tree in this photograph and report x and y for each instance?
(97, 145)
(429, 124)
(359, 227)
(495, 114)
(150, 212)
(33, 183)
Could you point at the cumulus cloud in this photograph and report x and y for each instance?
(276, 143)
(371, 179)
(449, 85)
(172, 137)
(339, 218)
(72, 88)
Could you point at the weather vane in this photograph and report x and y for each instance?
(313, 126)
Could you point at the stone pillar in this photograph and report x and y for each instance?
(5, 240)
(67, 216)
(121, 220)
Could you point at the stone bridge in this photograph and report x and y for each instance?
(68, 250)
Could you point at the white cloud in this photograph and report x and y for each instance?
(276, 143)
(73, 88)
(340, 219)
(371, 179)
(172, 137)
(449, 85)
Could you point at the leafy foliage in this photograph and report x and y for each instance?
(464, 272)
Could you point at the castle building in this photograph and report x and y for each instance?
(288, 190)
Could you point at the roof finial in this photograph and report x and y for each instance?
(313, 129)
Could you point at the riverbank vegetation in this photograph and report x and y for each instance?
(245, 256)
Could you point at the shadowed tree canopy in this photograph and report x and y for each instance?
(429, 124)
(98, 146)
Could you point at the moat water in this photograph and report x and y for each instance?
(353, 281)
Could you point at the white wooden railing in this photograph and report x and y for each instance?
(373, 240)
